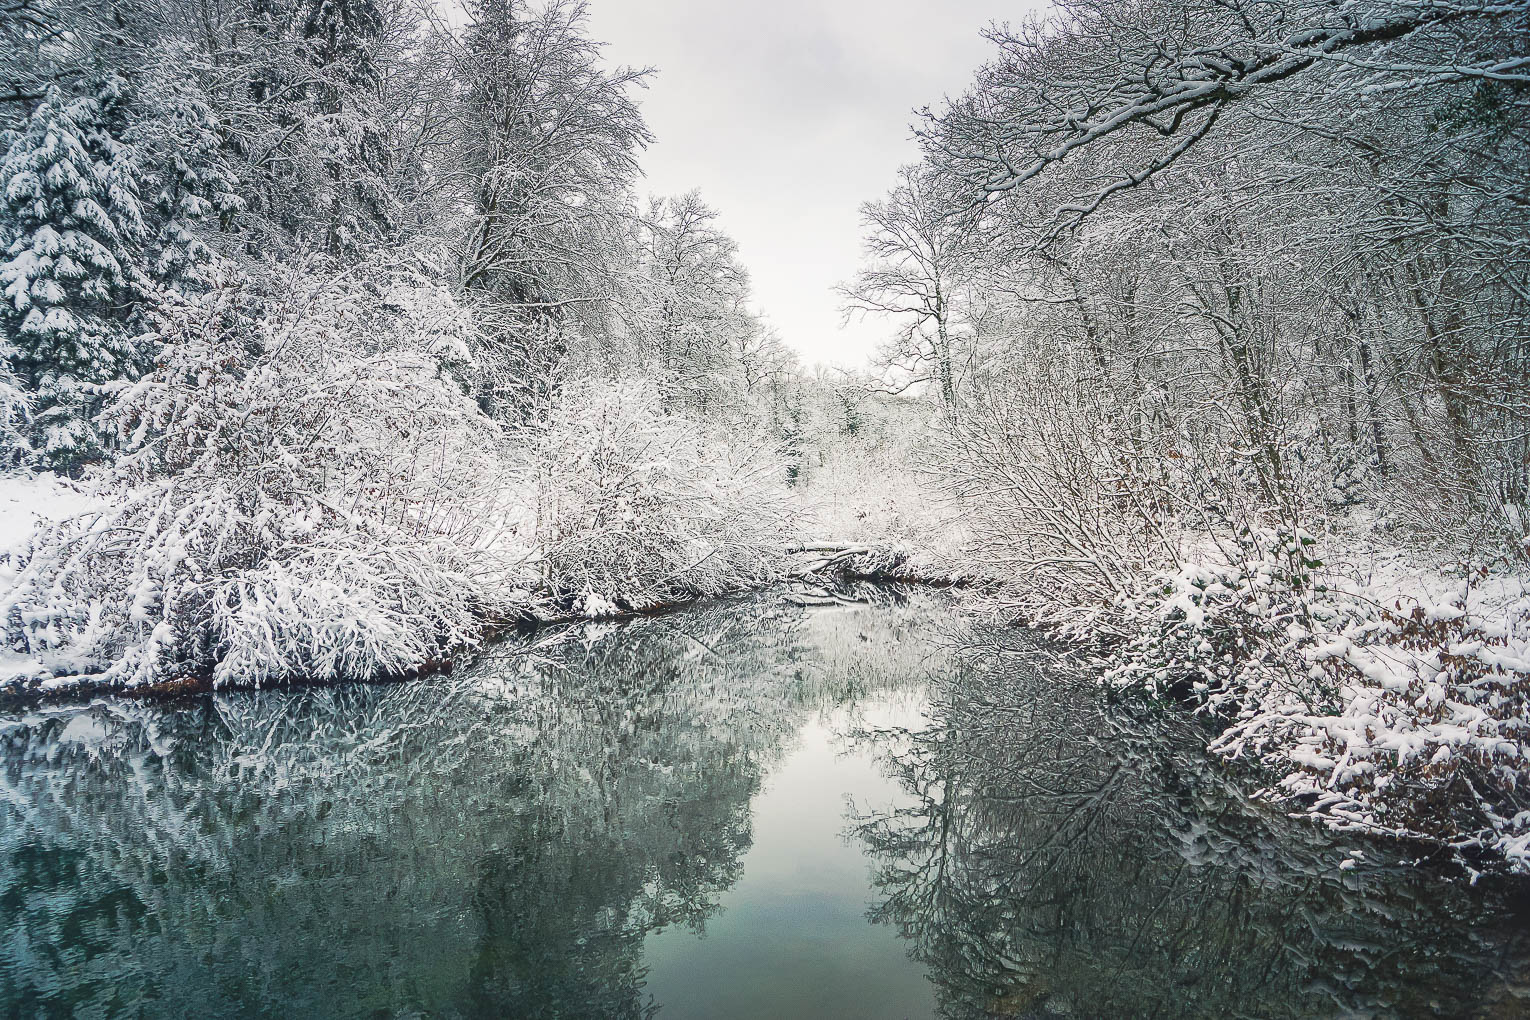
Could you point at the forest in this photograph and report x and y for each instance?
(339, 338)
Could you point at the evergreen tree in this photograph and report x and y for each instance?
(341, 36)
(198, 186)
(15, 414)
(71, 230)
(340, 39)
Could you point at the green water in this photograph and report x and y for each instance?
(741, 810)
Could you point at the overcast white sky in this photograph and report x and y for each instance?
(788, 115)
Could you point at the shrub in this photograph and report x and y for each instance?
(1407, 722)
(636, 508)
(302, 492)
(1429, 733)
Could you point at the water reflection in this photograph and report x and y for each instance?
(499, 844)
(549, 835)
(1059, 858)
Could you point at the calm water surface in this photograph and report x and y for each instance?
(742, 810)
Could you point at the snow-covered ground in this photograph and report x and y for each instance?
(27, 498)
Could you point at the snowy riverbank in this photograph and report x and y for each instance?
(307, 552)
(1370, 691)
(1374, 687)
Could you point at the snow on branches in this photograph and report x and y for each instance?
(636, 508)
(1405, 715)
(305, 493)
(71, 227)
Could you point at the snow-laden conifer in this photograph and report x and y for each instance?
(72, 229)
(197, 192)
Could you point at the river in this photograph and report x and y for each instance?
(744, 809)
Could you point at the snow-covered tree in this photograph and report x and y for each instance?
(198, 194)
(340, 39)
(637, 507)
(308, 493)
(72, 233)
(916, 251)
(694, 323)
(341, 35)
(547, 138)
(15, 416)
(550, 137)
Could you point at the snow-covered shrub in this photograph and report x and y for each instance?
(1404, 722)
(865, 475)
(303, 493)
(1220, 631)
(1426, 731)
(638, 508)
(1080, 478)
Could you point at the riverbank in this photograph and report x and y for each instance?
(250, 565)
(814, 585)
(585, 573)
(1371, 686)
(1365, 689)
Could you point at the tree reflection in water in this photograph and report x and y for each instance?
(1068, 859)
(496, 844)
(501, 843)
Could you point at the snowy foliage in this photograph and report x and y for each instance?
(636, 508)
(15, 416)
(1393, 716)
(1424, 729)
(198, 189)
(865, 473)
(1062, 498)
(305, 494)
